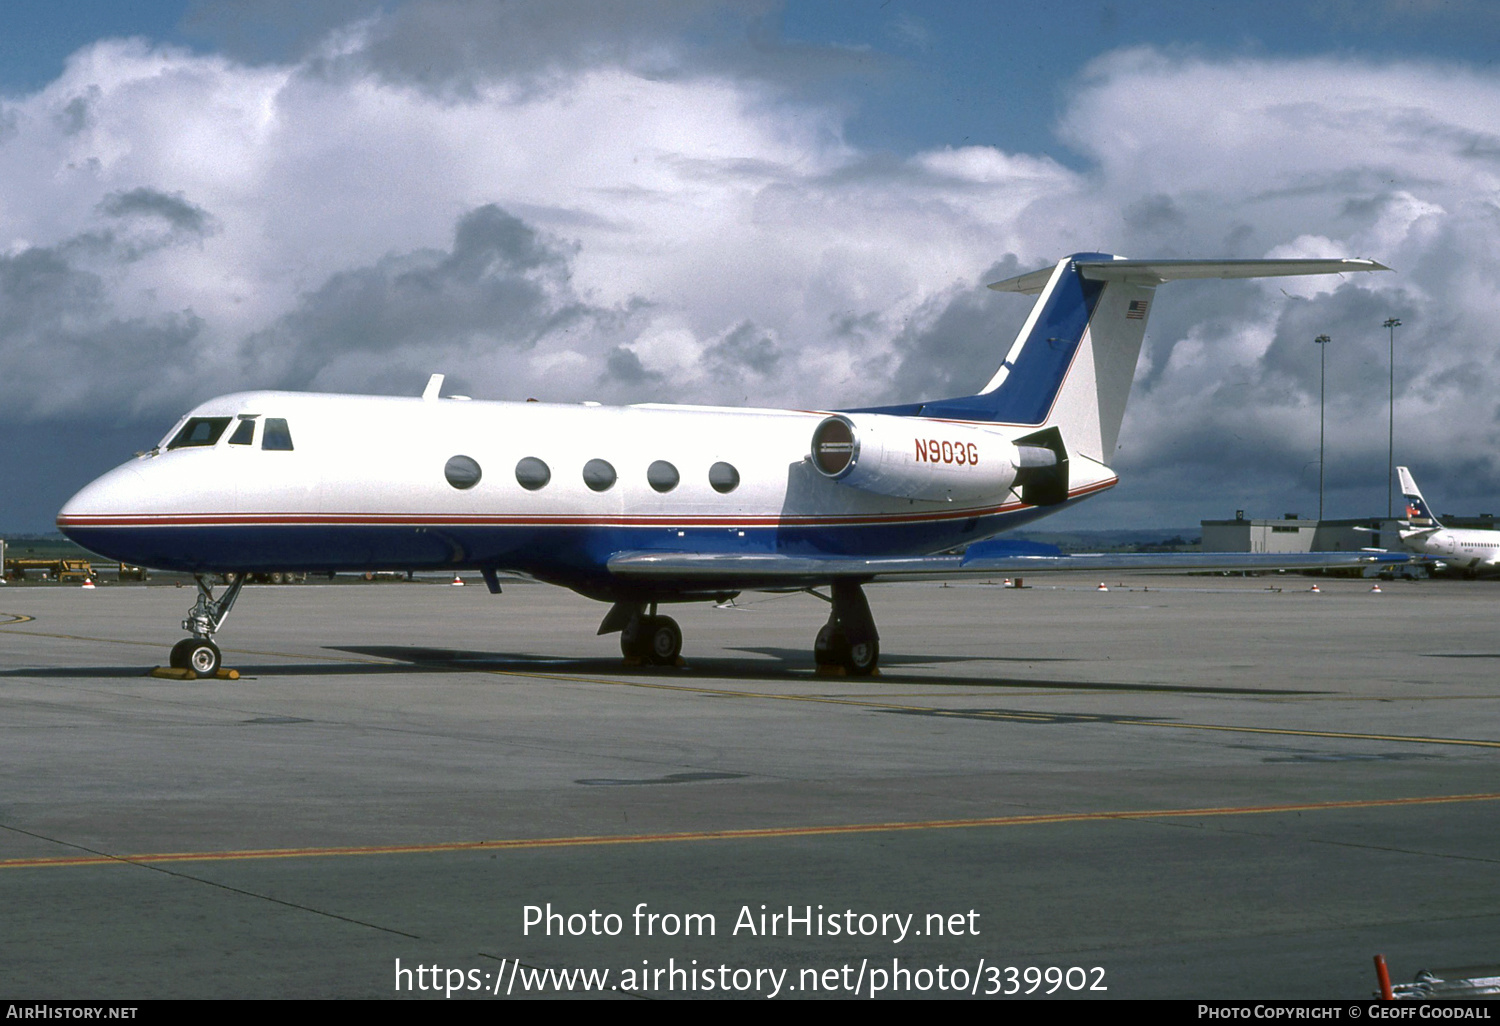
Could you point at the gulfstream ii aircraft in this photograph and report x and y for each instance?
(648, 504)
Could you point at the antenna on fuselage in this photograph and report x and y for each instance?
(434, 385)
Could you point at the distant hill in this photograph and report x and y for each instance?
(1155, 539)
(42, 546)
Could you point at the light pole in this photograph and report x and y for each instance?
(1391, 323)
(1322, 343)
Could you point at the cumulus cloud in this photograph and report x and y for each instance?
(527, 202)
(498, 290)
(1316, 157)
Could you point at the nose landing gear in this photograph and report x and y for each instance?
(201, 656)
(199, 653)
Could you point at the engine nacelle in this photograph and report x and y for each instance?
(913, 458)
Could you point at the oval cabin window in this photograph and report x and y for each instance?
(662, 476)
(461, 472)
(532, 473)
(599, 475)
(723, 478)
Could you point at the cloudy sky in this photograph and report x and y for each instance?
(755, 203)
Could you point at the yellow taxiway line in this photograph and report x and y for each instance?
(100, 859)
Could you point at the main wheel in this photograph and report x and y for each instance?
(665, 640)
(832, 648)
(828, 649)
(635, 640)
(861, 660)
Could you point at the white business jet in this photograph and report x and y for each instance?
(649, 504)
(1472, 551)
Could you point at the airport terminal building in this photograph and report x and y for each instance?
(1291, 534)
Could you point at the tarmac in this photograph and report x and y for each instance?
(1181, 787)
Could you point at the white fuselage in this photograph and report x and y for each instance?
(364, 486)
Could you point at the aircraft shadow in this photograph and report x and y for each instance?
(790, 664)
(779, 664)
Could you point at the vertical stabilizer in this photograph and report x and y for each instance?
(1416, 506)
(1072, 365)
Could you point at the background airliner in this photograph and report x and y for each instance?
(649, 504)
(1472, 551)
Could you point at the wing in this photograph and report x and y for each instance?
(772, 571)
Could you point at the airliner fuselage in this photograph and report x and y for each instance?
(1470, 551)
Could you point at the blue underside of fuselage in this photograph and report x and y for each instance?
(574, 556)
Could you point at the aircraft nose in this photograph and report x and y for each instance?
(119, 491)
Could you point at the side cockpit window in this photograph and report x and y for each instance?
(277, 435)
(199, 431)
(244, 434)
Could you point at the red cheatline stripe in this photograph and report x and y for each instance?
(733, 835)
(518, 520)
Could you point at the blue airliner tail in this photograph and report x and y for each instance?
(1416, 506)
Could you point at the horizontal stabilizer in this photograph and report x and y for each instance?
(1154, 272)
(774, 571)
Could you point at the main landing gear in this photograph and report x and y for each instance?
(199, 653)
(848, 643)
(649, 638)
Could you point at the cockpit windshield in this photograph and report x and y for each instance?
(245, 433)
(199, 431)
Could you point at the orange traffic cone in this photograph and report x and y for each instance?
(1315, 590)
(1103, 586)
(1376, 590)
(88, 582)
(458, 582)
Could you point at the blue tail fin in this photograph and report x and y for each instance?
(1071, 366)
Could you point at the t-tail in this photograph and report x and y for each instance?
(1067, 375)
(1417, 513)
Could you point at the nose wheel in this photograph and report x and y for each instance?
(200, 655)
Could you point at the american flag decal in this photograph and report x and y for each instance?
(1137, 309)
